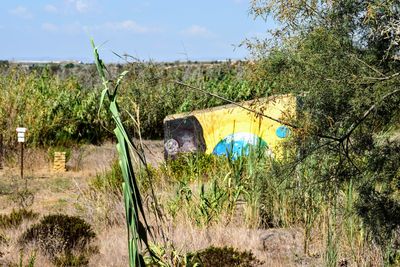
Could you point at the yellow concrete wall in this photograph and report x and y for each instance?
(220, 122)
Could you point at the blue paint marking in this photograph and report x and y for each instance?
(282, 132)
(238, 144)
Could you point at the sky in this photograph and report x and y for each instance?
(158, 30)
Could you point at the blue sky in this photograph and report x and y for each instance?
(160, 30)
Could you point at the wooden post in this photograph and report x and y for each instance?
(21, 139)
(22, 166)
(1, 151)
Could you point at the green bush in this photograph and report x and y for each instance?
(109, 181)
(56, 111)
(59, 236)
(16, 217)
(192, 166)
(224, 257)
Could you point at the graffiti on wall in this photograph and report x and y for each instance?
(229, 130)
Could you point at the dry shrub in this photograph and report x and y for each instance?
(66, 240)
(225, 257)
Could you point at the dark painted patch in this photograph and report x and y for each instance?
(183, 135)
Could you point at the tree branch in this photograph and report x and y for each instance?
(366, 113)
(237, 104)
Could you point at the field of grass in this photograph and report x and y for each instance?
(205, 200)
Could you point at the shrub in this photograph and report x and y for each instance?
(109, 181)
(69, 259)
(188, 167)
(59, 236)
(23, 197)
(224, 257)
(16, 217)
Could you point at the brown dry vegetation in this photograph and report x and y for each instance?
(70, 193)
(67, 193)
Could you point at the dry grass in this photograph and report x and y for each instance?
(69, 193)
(188, 238)
(113, 249)
(12, 253)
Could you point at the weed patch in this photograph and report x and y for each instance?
(16, 217)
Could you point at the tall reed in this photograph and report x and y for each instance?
(138, 228)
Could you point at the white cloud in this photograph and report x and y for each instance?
(50, 9)
(76, 27)
(49, 27)
(80, 6)
(22, 12)
(198, 31)
(127, 25)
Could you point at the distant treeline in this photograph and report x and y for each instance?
(59, 103)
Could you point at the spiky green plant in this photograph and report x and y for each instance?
(135, 217)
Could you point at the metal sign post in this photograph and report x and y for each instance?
(21, 139)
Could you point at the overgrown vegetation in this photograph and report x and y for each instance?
(338, 182)
(59, 106)
(56, 111)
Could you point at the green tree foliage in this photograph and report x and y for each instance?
(55, 111)
(58, 104)
(343, 58)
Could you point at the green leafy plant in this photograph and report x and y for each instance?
(109, 181)
(137, 229)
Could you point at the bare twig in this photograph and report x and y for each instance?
(366, 64)
(384, 78)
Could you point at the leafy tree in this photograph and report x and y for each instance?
(343, 56)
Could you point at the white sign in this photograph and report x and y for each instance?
(21, 130)
(21, 134)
